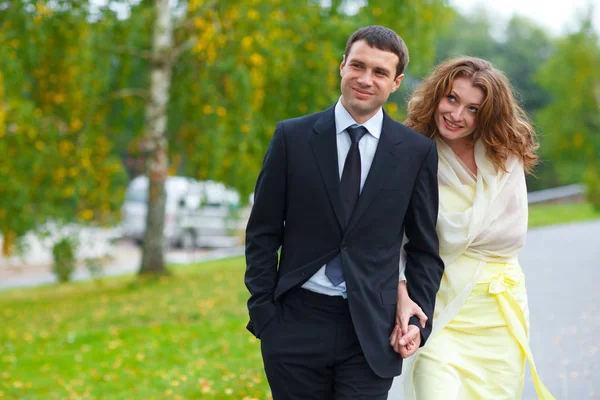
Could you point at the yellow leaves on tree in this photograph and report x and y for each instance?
(2, 107)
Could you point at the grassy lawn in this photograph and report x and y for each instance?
(181, 337)
(551, 214)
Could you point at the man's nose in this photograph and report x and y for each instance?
(365, 78)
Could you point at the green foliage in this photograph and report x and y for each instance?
(570, 124)
(58, 157)
(250, 66)
(74, 79)
(65, 262)
(418, 22)
(592, 183)
(177, 337)
(522, 52)
(73, 83)
(467, 35)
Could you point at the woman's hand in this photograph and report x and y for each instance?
(405, 338)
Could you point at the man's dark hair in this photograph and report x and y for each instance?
(381, 38)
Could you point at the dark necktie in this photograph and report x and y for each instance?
(349, 190)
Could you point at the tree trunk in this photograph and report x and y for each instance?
(153, 260)
(8, 242)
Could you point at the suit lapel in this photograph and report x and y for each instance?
(384, 164)
(324, 146)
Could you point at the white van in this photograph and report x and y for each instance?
(197, 213)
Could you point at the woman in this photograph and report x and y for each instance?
(486, 144)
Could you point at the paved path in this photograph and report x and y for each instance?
(126, 260)
(562, 268)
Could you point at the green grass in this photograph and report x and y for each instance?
(178, 337)
(551, 214)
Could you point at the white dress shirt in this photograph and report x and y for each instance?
(368, 145)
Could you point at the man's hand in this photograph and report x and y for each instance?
(405, 338)
(406, 345)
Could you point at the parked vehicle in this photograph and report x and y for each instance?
(197, 213)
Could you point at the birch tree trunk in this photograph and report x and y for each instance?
(153, 260)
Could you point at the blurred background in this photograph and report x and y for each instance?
(132, 131)
(81, 118)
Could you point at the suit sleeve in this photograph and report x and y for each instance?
(264, 234)
(424, 267)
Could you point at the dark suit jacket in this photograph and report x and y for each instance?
(297, 208)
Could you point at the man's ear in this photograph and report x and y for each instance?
(342, 65)
(397, 82)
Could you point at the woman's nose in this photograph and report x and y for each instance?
(456, 113)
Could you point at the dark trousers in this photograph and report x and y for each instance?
(310, 351)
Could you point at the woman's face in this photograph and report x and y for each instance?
(456, 113)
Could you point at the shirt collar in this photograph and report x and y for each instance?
(343, 120)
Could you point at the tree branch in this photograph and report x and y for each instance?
(127, 51)
(179, 50)
(129, 92)
(96, 105)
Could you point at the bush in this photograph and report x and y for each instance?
(65, 261)
(95, 265)
(592, 182)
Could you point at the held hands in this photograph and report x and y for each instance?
(406, 345)
(406, 339)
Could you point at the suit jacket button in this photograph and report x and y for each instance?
(344, 247)
(304, 273)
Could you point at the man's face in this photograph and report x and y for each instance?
(368, 78)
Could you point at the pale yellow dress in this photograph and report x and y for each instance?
(480, 338)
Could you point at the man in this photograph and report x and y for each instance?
(336, 192)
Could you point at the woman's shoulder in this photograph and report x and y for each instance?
(514, 164)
